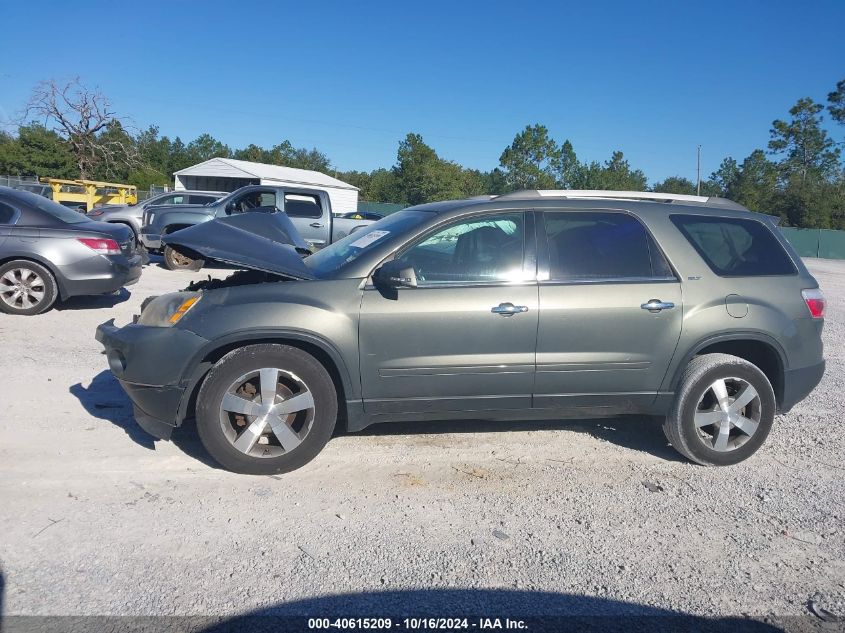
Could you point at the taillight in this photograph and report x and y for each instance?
(814, 298)
(104, 246)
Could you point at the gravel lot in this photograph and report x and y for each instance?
(97, 518)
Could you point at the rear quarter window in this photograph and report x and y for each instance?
(7, 214)
(735, 247)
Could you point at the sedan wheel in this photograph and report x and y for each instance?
(265, 409)
(26, 288)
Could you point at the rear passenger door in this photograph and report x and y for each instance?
(8, 216)
(308, 212)
(610, 311)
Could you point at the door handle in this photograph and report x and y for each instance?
(656, 305)
(508, 309)
(316, 225)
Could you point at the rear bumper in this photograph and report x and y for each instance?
(152, 365)
(799, 383)
(100, 275)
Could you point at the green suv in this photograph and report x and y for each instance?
(530, 305)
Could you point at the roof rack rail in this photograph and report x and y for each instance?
(575, 194)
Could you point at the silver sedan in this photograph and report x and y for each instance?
(132, 216)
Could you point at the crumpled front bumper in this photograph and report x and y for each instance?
(153, 365)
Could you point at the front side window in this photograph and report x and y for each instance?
(591, 246)
(251, 200)
(735, 247)
(482, 249)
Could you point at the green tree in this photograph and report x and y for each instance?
(253, 153)
(532, 161)
(726, 177)
(836, 103)
(615, 174)
(301, 158)
(383, 186)
(422, 176)
(756, 185)
(568, 167)
(37, 151)
(676, 184)
(206, 147)
(805, 149)
(495, 182)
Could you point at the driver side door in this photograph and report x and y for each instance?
(464, 339)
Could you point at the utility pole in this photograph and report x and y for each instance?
(698, 174)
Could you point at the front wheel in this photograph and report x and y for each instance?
(174, 260)
(266, 409)
(723, 411)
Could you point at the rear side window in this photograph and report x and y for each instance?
(203, 199)
(7, 213)
(594, 246)
(735, 247)
(303, 206)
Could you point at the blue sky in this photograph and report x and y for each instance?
(653, 79)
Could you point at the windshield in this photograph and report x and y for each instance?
(363, 240)
(68, 216)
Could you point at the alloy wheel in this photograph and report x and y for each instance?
(728, 414)
(22, 288)
(267, 412)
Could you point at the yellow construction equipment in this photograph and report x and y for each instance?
(89, 193)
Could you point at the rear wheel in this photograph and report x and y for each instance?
(174, 260)
(266, 409)
(26, 288)
(723, 410)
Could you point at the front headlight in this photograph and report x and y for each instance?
(166, 310)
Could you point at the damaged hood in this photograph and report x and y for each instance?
(267, 242)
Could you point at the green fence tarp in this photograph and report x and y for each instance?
(824, 243)
(382, 208)
(804, 241)
(831, 244)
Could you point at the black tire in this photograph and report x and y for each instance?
(173, 260)
(251, 358)
(702, 371)
(50, 289)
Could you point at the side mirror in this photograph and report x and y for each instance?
(395, 274)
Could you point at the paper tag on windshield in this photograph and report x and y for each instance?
(369, 238)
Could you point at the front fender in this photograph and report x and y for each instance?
(323, 313)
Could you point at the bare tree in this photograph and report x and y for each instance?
(85, 119)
